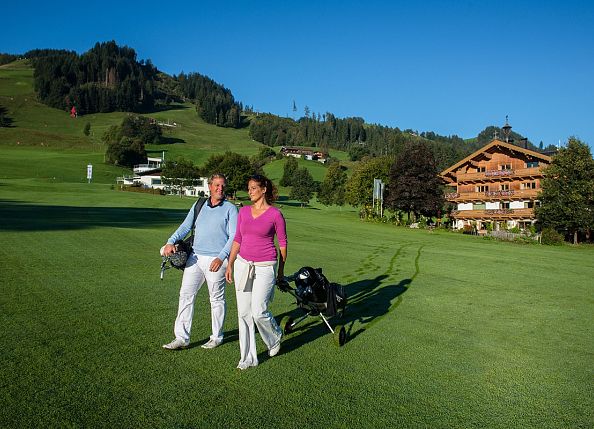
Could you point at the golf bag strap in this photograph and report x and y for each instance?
(331, 300)
(197, 209)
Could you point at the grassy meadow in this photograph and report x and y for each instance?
(445, 330)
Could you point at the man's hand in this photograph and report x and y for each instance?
(169, 249)
(215, 265)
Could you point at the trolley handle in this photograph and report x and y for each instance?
(283, 285)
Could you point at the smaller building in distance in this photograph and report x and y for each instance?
(149, 176)
(309, 154)
(496, 185)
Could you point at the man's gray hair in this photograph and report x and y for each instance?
(217, 176)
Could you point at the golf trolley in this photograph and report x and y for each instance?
(316, 296)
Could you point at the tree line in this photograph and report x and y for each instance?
(7, 58)
(356, 137)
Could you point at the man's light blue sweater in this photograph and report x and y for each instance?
(214, 231)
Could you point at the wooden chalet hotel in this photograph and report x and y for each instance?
(497, 184)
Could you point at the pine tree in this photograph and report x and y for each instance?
(302, 186)
(289, 171)
(332, 189)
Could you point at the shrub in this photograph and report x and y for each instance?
(551, 237)
(467, 229)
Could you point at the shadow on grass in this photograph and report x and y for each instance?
(5, 120)
(164, 108)
(17, 216)
(295, 204)
(231, 336)
(368, 301)
(171, 140)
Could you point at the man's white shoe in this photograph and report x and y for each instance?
(211, 344)
(274, 351)
(176, 344)
(244, 365)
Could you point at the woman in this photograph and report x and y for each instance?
(254, 258)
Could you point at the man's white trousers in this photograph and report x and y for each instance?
(195, 273)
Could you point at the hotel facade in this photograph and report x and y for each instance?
(497, 185)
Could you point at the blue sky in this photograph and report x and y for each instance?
(443, 66)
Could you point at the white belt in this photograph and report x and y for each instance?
(250, 273)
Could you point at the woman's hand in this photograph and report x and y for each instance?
(229, 273)
(280, 277)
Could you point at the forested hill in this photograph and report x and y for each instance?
(109, 78)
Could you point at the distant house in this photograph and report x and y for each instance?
(309, 154)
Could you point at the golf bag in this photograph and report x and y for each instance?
(183, 248)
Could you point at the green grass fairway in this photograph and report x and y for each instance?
(445, 330)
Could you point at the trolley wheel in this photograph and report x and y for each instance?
(340, 335)
(285, 325)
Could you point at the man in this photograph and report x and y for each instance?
(214, 233)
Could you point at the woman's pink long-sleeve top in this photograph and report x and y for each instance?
(256, 236)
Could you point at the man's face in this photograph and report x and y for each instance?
(217, 189)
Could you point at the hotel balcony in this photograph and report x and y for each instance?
(496, 214)
(500, 175)
(511, 195)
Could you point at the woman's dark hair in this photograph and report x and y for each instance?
(264, 182)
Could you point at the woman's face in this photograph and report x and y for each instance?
(255, 191)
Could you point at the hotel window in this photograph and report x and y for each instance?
(482, 188)
(528, 204)
(530, 185)
(531, 164)
(504, 187)
(479, 206)
(481, 169)
(505, 167)
(505, 204)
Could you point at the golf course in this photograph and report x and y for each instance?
(445, 330)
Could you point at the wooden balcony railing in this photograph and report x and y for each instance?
(498, 175)
(518, 194)
(496, 214)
